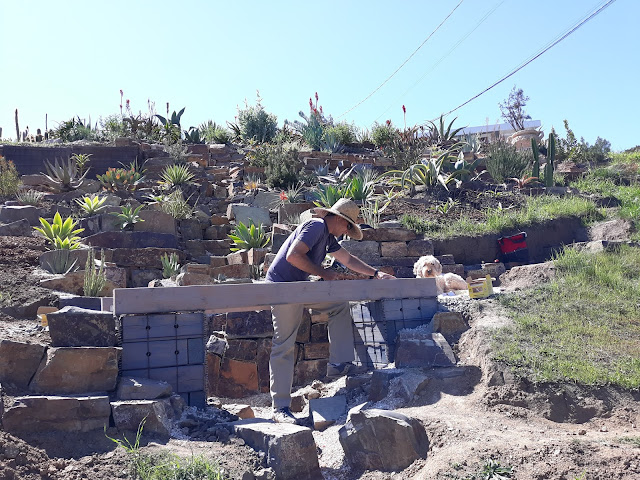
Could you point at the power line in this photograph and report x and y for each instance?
(480, 22)
(527, 62)
(403, 63)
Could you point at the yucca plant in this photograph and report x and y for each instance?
(128, 216)
(246, 237)
(176, 175)
(94, 278)
(91, 204)
(60, 234)
(30, 197)
(170, 265)
(65, 176)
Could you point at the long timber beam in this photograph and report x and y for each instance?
(258, 296)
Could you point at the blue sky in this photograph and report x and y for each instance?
(72, 58)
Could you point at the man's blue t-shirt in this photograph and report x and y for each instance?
(316, 236)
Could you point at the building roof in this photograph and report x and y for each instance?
(498, 127)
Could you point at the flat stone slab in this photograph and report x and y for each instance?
(326, 411)
(416, 348)
(130, 388)
(290, 449)
(57, 413)
(245, 213)
(19, 228)
(122, 239)
(13, 213)
(79, 327)
(158, 415)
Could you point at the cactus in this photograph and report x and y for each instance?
(551, 157)
(536, 158)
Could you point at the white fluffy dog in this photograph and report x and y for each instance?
(429, 267)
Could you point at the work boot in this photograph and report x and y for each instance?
(341, 369)
(283, 415)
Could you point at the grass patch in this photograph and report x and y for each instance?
(498, 220)
(583, 327)
(633, 441)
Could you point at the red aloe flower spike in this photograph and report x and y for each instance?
(316, 96)
(310, 103)
(404, 110)
(283, 196)
(320, 108)
(388, 123)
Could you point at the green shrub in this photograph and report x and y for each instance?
(9, 179)
(283, 168)
(214, 133)
(383, 134)
(504, 161)
(344, 133)
(256, 125)
(73, 130)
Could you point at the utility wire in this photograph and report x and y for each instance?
(480, 22)
(527, 62)
(403, 63)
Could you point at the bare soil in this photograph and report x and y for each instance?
(562, 432)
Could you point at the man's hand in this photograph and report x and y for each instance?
(384, 276)
(330, 274)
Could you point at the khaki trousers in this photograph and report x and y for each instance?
(286, 320)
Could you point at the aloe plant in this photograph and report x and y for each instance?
(61, 262)
(64, 175)
(170, 265)
(176, 175)
(91, 204)
(246, 237)
(94, 279)
(128, 216)
(60, 234)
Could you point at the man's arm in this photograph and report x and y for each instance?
(357, 265)
(297, 256)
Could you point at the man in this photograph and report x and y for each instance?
(302, 255)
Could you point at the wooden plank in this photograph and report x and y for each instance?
(258, 296)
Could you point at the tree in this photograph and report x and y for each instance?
(513, 109)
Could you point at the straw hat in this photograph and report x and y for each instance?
(346, 209)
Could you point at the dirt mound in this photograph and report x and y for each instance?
(526, 276)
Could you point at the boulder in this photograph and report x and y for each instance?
(367, 251)
(417, 348)
(73, 282)
(13, 213)
(19, 228)
(244, 213)
(38, 414)
(157, 415)
(380, 382)
(382, 440)
(240, 410)
(156, 222)
(130, 388)
(290, 449)
(79, 327)
(70, 370)
(19, 362)
(449, 323)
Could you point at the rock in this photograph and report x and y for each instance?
(367, 251)
(51, 413)
(73, 282)
(307, 370)
(216, 345)
(191, 229)
(19, 228)
(266, 200)
(244, 213)
(79, 327)
(388, 234)
(53, 257)
(156, 222)
(418, 248)
(394, 249)
(146, 257)
(290, 449)
(326, 411)
(249, 324)
(19, 362)
(416, 348)
(241, 270)
(10, 214)
(142, 389)
(70, 370)
(297, 403)
(159, 415)
(290, 212)
(127, 240)
(380, 382)
(612, 230)
(449, 323)
(409, 385)
(242, 411)
(382, 440)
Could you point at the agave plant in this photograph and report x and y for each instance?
(327, 195)
(246, 237)
(128, 216)
(61, 262)
(64, 175)
(60, 234)
(176, 175)
(30, 197)
(91, 204)
(444, 137)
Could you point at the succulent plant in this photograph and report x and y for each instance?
(65, 176)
